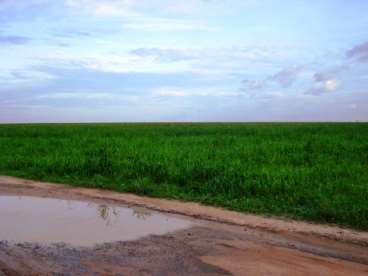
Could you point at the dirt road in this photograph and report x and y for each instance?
(219, 242)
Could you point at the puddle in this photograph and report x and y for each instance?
(47, 221)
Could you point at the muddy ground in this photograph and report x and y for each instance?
(220, 243)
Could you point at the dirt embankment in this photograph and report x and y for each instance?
(243, 245)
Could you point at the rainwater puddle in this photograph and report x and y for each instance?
(48, 221)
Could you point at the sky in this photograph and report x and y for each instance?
(183, 60)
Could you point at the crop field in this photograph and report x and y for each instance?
(311, 171)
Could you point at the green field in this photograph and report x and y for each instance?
(313, 171)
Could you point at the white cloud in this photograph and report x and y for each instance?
(76, 95)
(124, 64)
(136, 7)
(323, 87)
(330, 85)
(193, 92)
(116, 63)
(215, 62)
(164, 24)
(105, 7)
(135, 13)
(171, 92)
(23, 77)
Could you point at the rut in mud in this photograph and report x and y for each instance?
(94, 232)
(78, 223)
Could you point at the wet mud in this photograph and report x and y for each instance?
(48, 221)
(182, 246)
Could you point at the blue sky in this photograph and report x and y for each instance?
(192, 60)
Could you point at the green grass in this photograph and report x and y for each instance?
(313, 171)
